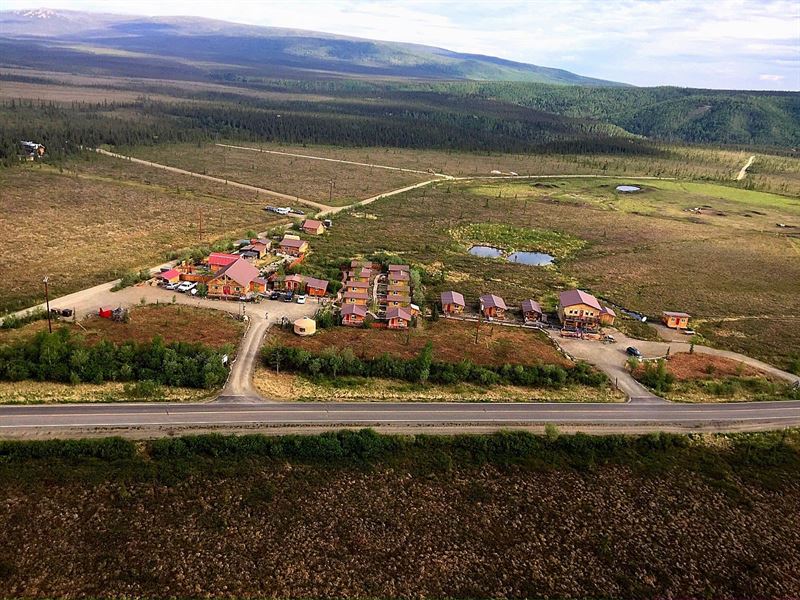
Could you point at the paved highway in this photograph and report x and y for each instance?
(239, 412)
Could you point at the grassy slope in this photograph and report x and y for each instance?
(568, 516)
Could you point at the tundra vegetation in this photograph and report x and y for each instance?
(465, 516)
(729, 266)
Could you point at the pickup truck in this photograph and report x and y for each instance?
(186, 286)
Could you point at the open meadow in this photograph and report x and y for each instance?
(647, 252)
(85, 228)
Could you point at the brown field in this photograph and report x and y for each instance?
(453, 341)
(773, 174)
(172, 322)
(685, 366)
(636, 256)
(254, 528)
(305, 178)
(84, 230)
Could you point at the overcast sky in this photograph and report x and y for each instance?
(698, 43)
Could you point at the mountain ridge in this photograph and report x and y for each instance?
(251, 46)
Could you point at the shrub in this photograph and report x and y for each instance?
(131, 278)
(14, 322)
(63, 357)
(423, 368)
(656, 376)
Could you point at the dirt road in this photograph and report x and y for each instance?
(336, 160)
(244, 186)
(743, 172)
(408, 188)
(611, 359)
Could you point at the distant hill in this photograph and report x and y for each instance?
(762, 118)
(218, 47)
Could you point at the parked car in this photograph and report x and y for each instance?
(247, 298)
(301, 299)
(172, 286)
(632, 351)
(275, 295)
(297, 211)
(186, 286)
(609, 339)
(288, 297)
(688, 331)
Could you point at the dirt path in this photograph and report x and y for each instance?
(336, 160)
(243, 186)
(338, 209)
(743, 172)
(612, 358)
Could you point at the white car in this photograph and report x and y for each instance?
(171, 286)
(283, 210)
(301, 299)
(187, 286)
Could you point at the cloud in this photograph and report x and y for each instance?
(725, 43)
(766, 77)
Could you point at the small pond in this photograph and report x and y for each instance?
(486, 251)
(536, 259)
(628, 188)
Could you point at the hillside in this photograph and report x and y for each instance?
(225, 48)
(667, 113)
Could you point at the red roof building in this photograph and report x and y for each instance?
(313, 227)
(170, 276)
(316, 287)
(531, 311)
(452, 303)
(217, 260)
(293, 282)
(353, 315)
(493, 307)
(399, 318)
(233, 280)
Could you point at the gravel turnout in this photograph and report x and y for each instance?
(262, 528)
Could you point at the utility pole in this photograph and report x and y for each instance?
(200, 223)
(47, 304)
(330, 192)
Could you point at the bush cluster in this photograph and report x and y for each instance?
(110, 448)
(131, 278)
(656, 377)
(14, 322)
(63, 357)
(335, 363)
